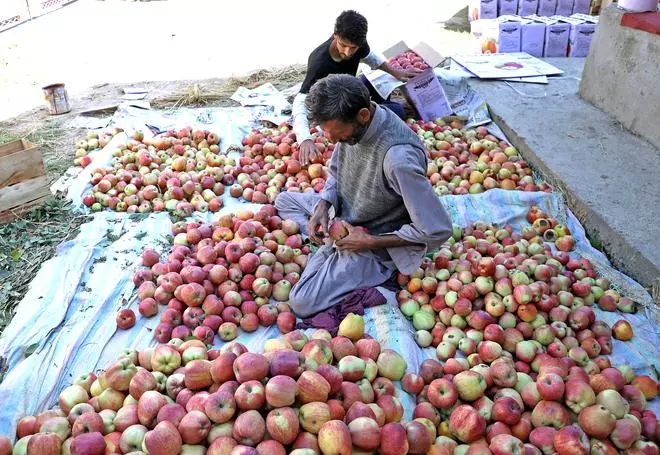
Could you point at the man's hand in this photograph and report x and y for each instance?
(405, 75)
(308, 152)
(319, 218)
(356, 239)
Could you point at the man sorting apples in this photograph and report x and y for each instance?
(340, 54)
(386, 215)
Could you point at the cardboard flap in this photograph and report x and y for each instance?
(428, 54)
(396, 49)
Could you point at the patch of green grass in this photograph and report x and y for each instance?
(26, 243)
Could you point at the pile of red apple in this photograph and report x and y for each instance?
(177, 171)
(302, 396)
(489, 279)
(472, 161)
(408, 60)
(220, 276)
(92, 141)
(549, 229)
(270, 164)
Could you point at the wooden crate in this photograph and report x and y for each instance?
(23, 183)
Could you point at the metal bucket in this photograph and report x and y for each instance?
(57, 99)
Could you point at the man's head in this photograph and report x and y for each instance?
(350, 33)
(340, 104)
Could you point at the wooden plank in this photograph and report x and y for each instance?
(15, 146)
(21, 193)
(12, 214)
(20, 165)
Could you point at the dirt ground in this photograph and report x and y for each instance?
(98, 48)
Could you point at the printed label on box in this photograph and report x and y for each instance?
(427, 95)
(556, 39)
(532, 38)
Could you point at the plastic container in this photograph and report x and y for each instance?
(57, 99)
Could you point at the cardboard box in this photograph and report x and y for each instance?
(507, 7)
(547, 8)
(492, 36)
(581, 34)
(564, 7)
(532, 37)
(527, 7)
(557, 32)
(424, 90)
(581, 6)
(482, 9)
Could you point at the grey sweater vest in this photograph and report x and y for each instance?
(365, 197)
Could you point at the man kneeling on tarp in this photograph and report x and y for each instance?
(377, 180)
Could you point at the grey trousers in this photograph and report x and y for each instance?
(330, 274)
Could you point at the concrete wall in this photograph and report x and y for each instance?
(621, 75)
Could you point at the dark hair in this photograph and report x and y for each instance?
(337, 97)
(352, 26)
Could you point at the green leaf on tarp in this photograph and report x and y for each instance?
(30, 350)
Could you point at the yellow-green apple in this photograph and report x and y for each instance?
(71, 396)
(317, 352)
(108, 416)
(578, 395)
(313, 415)
(367, 393)
(335, 438)
(58, 425)
(470, 385)
(110, 399)
(79, 410)
(571, 440)
(371, 369)
(550, 413)
(132, 438)
(282, 425)
(466, 424)
(166, 359)
(391, 365)
(612, 400)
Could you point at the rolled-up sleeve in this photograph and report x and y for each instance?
(300, 122)
(430, 226)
